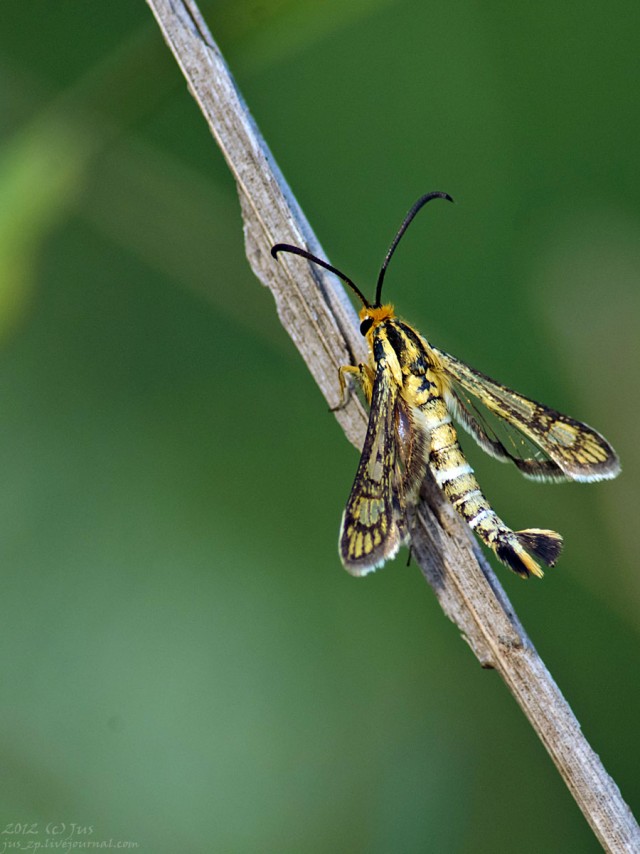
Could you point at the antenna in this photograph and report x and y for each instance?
(422, 201)
(295, 250)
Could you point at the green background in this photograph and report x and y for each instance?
(184, 663)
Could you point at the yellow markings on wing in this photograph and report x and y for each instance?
(372, 528)
(573, 449)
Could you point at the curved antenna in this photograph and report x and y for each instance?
(422, 201)
(295, 250)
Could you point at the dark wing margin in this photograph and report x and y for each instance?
(373, 526)
(571, 449)
(500, 440)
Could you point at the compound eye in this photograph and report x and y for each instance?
(366, 325)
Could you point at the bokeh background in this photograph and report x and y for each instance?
(184, 663)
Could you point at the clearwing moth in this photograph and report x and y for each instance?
(414, 390)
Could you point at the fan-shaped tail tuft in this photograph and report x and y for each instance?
(513, 550)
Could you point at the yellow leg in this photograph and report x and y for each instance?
(365, 377)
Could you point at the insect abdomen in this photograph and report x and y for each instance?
(455, 477)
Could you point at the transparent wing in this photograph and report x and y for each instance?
(543, 443)
(373, 527)
(498, 437)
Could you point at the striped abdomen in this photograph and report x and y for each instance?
(455, 477)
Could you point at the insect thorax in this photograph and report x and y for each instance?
(411, 360)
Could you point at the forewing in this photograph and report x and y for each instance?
(372, 528)
(569, 448)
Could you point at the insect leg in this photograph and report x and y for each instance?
(365, 376)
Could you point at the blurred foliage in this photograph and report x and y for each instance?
(184, 662)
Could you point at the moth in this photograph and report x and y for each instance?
(415, 390)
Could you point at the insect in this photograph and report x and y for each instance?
(414, 391)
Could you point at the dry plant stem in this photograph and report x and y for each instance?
(322, 323)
